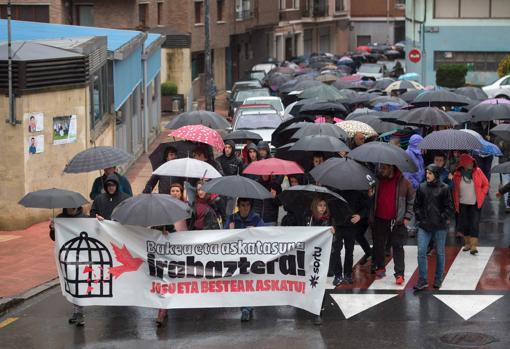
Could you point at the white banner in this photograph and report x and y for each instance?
(106, 263)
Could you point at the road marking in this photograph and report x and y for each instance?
(467, 306)
(353, 304)
(467, 270)
(8, 321)
(388, 282)
(356, 256)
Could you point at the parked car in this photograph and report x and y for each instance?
(499, 89)
(275, 102)
(244, 85)
(373, 70)
(267, 67)
(257, 75)
(239, 97)
(261, 120)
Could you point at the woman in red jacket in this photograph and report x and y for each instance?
(469, 192)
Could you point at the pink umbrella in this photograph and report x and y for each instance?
(496, 101)
(363, 48)
(200, 133)
(273, 166)
(322, 119)
(354, 77)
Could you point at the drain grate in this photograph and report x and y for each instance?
(467, 339)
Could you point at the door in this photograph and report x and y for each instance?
(288, 49)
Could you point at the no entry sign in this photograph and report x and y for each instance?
(414, 55)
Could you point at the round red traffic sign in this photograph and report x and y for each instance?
(414, 55)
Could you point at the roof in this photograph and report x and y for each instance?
(32, 51)
(117, 39)
(173, 38)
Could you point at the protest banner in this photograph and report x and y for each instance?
(106, 263)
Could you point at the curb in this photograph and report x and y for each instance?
(8, 303)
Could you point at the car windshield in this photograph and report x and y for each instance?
(257, 75)
(242, 95)
(274, 102)
(370, 68)
(258, 121)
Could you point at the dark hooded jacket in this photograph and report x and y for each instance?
(64, 214)
(104, 203)
(433, 205)
(231, 165)
(268, 209)
(98, 184)
(251, 176)
(164, 182)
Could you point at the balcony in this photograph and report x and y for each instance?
(244, 14)
(290, 15)
(316, 8)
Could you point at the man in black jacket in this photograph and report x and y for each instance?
(230, 163)
(163, 182)
(433, 209)
(104, 203)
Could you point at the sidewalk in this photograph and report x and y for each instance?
(26, 256)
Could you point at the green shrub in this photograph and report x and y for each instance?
(504, 66)
(451, 75)
(168, 88)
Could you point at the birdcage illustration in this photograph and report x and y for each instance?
(85, 263)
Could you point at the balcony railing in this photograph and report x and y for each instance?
(316, 8)
(244, 14)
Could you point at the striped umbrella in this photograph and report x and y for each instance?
(450, 140)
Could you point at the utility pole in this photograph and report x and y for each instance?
(207, 53)
(388, 22)
(12, 113)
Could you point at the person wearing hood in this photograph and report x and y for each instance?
(73, 212)
(415, 154)
(253, 155)
(470, 187)
(163, 182)
(206, 210)
(104, 203)
(98, 185)
(391, 211)
(230, 163)
(433, 209)
(203, 153)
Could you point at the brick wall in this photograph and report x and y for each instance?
(374, 8)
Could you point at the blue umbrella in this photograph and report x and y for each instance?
(390, 106)
(488, 148)
(410, 76)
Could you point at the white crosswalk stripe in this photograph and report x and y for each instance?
(388, 282)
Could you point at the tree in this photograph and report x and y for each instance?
(504, 66)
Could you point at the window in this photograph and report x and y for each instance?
(339, 6)
(99, 95)
(362, 40)
(219, 10)
(198, 11)
(481, 61)
(142, 15)
(85, 15)
(289, 4)
(33, 13)
(244, 9)
(471, 9)
(160, 13)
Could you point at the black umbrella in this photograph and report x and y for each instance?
(502, 131)
(450, 140)
(387, 99)
(384, 153)
(383, 83)
(323, 108)
(282, 136)
(299, 198)
(411, 95)
(363, 111)
(501, 168)
(237, 187)
(53, 198)
(296, 108)
(241, 135)
(459, 116)
(148, 210)
(320, 143)
(303, 158)
(490, 111)
(97, 158)
(440, 98)
(323, 129)
(343, 174)
(184, 149)
(199, 117)
(471, 92)
(425, 116)
(299, 85)
(376, 123)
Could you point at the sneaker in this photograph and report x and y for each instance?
(437, 284)
(80, 320)
(364, 259)
(348, 279)
(380, 273)
(73, 318)
(246, 315)
(337, 281)
(317, 321)
(399, 279)
(420, 285)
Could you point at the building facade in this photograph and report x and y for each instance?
(457, 31)
(377, 21)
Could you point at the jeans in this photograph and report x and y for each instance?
(424, 237)
(506, 179)
(397, 238)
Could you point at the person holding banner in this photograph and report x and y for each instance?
(204, 216)
(104, 203)
(244, 218)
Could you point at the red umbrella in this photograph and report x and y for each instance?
(363, 49)
(200, 133)
(273, 166)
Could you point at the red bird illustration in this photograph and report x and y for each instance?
(124, 257)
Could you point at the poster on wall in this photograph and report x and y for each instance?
(35, 122)
(64, 129)
(35, 144)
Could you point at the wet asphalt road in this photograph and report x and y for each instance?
(404, 321)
